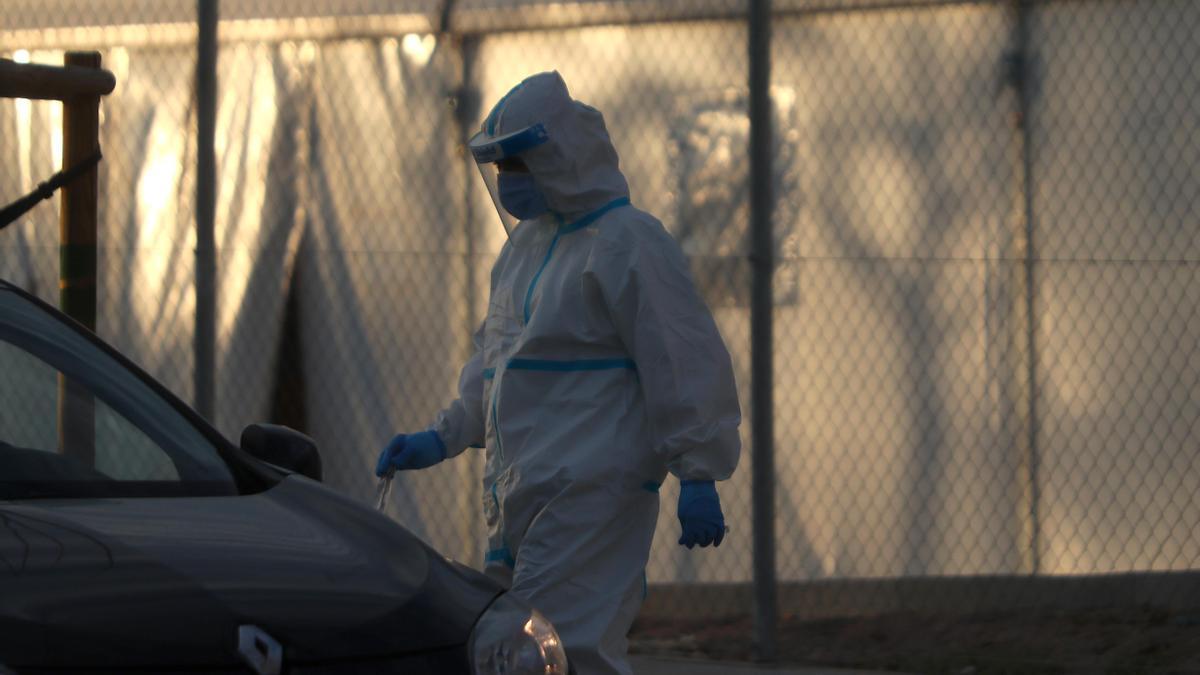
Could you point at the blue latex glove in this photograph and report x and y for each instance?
(700, 513)
(406, 452)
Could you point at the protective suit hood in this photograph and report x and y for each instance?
(577, 168)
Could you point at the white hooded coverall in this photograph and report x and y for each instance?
(597, 370)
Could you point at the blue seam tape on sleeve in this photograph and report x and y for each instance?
(576, 365)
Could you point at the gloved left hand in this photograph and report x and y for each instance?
(406, 452)
(700, 513)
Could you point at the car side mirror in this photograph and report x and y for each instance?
(284, 447)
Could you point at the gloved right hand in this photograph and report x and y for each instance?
(407, 452)
(700, 514)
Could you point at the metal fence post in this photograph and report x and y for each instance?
(204, 376)
(1018, 73)
(761, 327)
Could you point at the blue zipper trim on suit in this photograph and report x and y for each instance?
(496, 425)
(500, 555)
(538, 275)
(568, 228)
(575, 365)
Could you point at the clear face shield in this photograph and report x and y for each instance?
(490, 152)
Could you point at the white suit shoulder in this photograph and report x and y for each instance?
(631, 226)
(633, 235)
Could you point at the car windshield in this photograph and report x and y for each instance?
(75, 422)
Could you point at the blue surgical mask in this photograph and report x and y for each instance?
(520, 196)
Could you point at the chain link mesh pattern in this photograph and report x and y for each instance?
(987, 251)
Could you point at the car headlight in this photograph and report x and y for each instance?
(512, 639)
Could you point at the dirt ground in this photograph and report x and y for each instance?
(1145, 640)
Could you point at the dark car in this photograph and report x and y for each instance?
(133, 536)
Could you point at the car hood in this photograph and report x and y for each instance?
(161, 581)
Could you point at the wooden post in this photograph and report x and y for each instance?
(77, 257)
(52, 83)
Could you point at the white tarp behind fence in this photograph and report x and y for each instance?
(911, 440)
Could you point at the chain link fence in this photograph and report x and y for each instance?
(987, 247)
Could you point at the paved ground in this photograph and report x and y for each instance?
(657, 665)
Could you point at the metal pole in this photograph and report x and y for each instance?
(1019, 73)
(206, 192)
(761, 341)
(467, 113)
(77, 257)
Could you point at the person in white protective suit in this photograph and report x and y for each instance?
(598, 370)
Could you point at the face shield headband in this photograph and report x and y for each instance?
(488, 150)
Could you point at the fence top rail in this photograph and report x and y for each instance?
(53, 83)
(307, 21)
